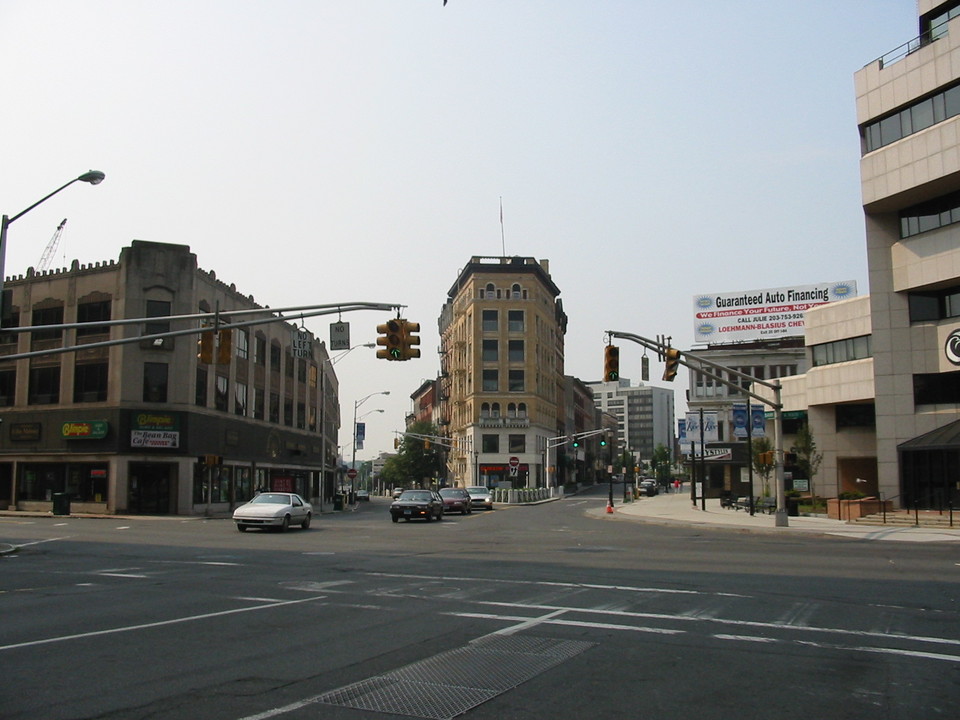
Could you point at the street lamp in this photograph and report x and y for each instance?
(94, 177)
(356, 404)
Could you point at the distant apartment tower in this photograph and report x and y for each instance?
(908, 113)
(502, 385)
(645, 416)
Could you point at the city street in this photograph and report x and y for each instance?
(523, 612)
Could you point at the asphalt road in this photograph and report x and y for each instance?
(523, 612)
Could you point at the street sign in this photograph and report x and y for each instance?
(514, 461)
(301, 344)
(339, 336)
(351, 473)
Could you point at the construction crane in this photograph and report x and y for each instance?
(47, 260)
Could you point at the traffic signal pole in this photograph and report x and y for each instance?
(780, 519)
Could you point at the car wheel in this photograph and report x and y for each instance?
(395, 518)
(429, 517)
(242, 528)
(285, 525)
(305, 525)
(440, 515)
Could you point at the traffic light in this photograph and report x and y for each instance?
(611, 363)
(765, 458)
(603, 441)
(576, 442)
(391, 339)
(224, 346)
(205, 343)
(408, 340)
(672, 356)
(426, 444)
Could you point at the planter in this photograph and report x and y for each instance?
(853, 509)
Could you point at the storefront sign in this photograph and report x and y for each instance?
(155, 430)
(25, 432)
(95, 430)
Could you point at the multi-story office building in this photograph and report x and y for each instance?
(644, 413)
(908, 112)
(146, 426)
(501, 333)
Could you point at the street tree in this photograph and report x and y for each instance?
(763, 462)
(808, 459)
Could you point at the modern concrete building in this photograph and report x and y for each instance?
(502, 385)
(146, 426)
(644, 413)
(908, 113)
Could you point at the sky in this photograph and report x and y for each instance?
(325, 151)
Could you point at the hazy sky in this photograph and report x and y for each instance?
(325, 151)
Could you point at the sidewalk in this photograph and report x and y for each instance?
(677, 508)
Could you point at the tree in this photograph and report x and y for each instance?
(417, 461)
(762, 450)
(808, 459)
(661, 463)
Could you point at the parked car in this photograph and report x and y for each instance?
(397, 492)
(649, 487)
(481, 497)
(274, 510)
(363, 495)
(456, 500)
(412, 504)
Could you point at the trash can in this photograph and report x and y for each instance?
(338, 502)
(793, 506)
(61, 503)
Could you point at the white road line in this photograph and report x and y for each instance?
(40, 542)
(161, 623)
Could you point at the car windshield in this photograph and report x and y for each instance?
(477, 490)
(272, 499)
(452, 493)
(416, 496)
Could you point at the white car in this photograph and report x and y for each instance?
(274, 510)
(481, 497)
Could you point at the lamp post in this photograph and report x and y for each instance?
(94, 177)
(356, 404)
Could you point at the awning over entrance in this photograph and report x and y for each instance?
(943, 438)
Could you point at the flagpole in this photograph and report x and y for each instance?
(503, 245)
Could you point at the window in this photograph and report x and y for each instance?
(936, 389)
(200, 397)
(259, 350)
(288, 412)
(288, 359)
(516, 381)
(844, 350)
(275, 408)
(518, 443)
(930, 215)
(522, 410)
(243, 343)
(855, 415)
(912, 119)
(8, 387)
(314, 371)
(301, 415)
(44, 386)
(491, 381)
(515, 351)
(275, 354)
(93, 312)
(485, 410)
(90, 382)
(490, 443)
(47, 316)
(302, 370)
(240, 398)
(491, 321)
(490, 351)
(157, 309)
(515, 292)
(155, 382)
(221, 397)
(515, 320)
(259, 403)
(934, 305)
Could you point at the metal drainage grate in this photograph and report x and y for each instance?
(453, 682)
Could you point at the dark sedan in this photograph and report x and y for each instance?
(456, 500)
(412, 504)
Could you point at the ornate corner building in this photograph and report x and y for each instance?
(501, 394)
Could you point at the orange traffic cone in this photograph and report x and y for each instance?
(609, 508)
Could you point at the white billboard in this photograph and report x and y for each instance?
(761, 314)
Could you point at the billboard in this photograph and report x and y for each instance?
(768, 314)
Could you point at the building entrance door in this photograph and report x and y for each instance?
(150, 488)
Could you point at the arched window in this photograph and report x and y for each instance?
(496, 410)
(515, 291)
(522, 410)
(511, 410)
(485, 410)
